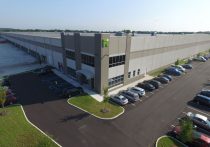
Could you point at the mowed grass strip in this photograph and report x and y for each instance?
(15, 131)
(168, 142)
(89, 104)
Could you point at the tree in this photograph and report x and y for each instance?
(2, 97)
(177, 62)
(106, 100)
(186, 130)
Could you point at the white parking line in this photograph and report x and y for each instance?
(146, 96)
(151, 92)
(198, 111)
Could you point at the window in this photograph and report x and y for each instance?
(89, 60)
(138, 73)
(116, 81)
(116, 60)
(134, 73)
(129, 74)
(70, 54)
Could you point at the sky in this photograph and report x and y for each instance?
(106, 15)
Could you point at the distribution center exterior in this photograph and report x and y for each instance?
(100, 60)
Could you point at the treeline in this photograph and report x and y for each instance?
(91, 31)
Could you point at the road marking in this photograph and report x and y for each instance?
(151, 92)
(133, 104)
(198, 111)
(146, 96)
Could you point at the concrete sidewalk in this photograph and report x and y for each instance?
(147, 77)
(93, 94)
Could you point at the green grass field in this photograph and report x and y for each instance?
(92, 106)
(15, 131)
(168, 142)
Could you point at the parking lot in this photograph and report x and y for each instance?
(141, 124)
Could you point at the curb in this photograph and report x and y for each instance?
(169, 137)
(111, 118)
(36, 126)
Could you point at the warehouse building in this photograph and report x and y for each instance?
(100, 60)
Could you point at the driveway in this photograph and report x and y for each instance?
(140, 125)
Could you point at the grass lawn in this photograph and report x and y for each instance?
(157, 72)
(168, 142)
(15, 131)
(94, 107)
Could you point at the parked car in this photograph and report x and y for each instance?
(167, 76)
(45, 71)
(146, 86)
(205, 93)
(201, 99)
(6, 82)
(200, 121)
(199, 139)
(67, 93)
(138, 90)
(119, 99)
(179, 67)
(154, 83)
(206, 57)
(131, 96)
(173, 71)
(187, 66)
(162, 80)
(201, 58)
(10, 99)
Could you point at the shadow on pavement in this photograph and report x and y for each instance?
(75, 117)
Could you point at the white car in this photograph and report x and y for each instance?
(179, 67)
(200, 120)
(201, 58)
(119, 99)
(138, 90)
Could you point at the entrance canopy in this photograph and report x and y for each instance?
(88, 74)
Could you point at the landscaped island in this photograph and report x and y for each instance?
(15, 131)
(90, 105)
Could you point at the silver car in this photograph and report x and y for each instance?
(131, 96)
(119, 99)
(138, 90)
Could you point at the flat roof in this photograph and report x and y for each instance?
(40, 34)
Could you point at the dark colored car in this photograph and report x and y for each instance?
(167, 76)
(155, 83)
(205, 93)
(6, 82)
(201, 99)
(173, 71)
(10, 99)
(162, 80)
(45, 71)
(187, 66)
(146, 86)
(67, 93)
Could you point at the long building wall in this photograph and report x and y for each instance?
(140, 54)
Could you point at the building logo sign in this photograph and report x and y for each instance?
(105, 42)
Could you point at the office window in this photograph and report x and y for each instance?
(89, 60)
(116, 81)
(134, 73)
(129, 74)
(138, 73)
(70, 54)
(116, 60)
